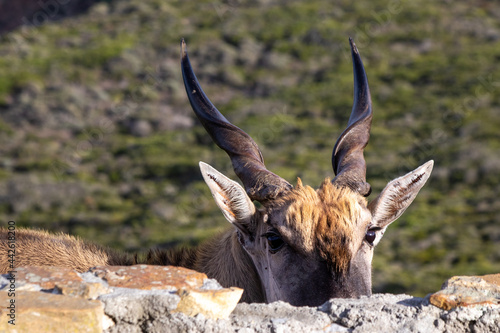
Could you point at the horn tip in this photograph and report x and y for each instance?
(183, 49)
(353, 46)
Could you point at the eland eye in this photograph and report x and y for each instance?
(370, 236)
(274, 241)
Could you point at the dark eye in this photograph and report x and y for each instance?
(274, 241)
(370, 236)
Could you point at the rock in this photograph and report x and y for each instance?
(468, 290)
(131, 295)
(43, 312)
(402, 313)
(150, 277)
(210, 303)
(281, 317)
(131, 309)
(196, 294)
(378, 313)
(58, 280)
(371, 314)
(172, 299)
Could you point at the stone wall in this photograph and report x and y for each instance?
(145, 298)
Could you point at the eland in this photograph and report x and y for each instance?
(302, 245)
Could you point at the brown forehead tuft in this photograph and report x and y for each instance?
(325, 222)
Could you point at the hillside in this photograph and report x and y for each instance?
(98, 138)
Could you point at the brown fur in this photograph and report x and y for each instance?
(40, 248)
(325, 222)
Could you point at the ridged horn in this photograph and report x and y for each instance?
(347, 159)
(246, 157)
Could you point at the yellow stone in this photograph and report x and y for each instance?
(215, 304)
(468, 291)
(44, 312)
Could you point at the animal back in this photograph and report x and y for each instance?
(40, 248)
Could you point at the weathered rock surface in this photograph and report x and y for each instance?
(169, 299)
(467, 291)
(43, 312)
(150, 277)
(379, 313)
(62, 280)
(403, 313)
(56, 299)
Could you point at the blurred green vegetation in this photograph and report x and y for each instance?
(98, 138)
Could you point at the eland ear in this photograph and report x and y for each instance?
(398, 195)
(231, 198)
